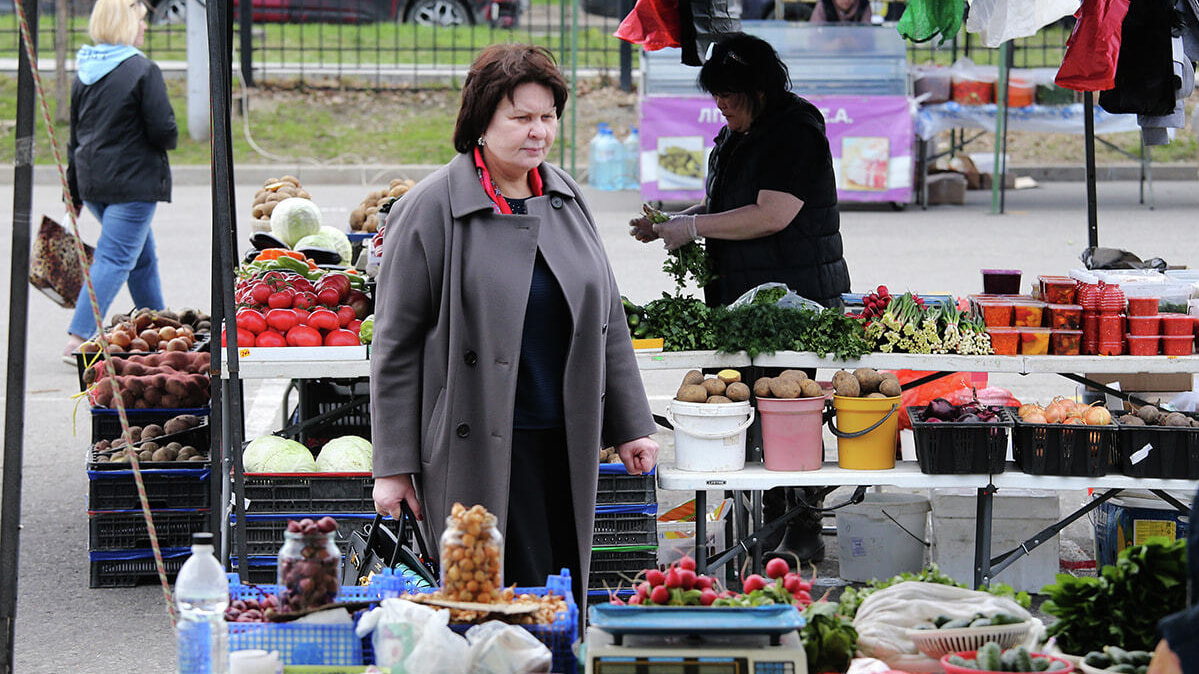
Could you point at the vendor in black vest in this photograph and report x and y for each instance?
(771, 207)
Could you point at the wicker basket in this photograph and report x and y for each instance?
(936, 643)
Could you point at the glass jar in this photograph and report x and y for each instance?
(309, 570)
(472, 556)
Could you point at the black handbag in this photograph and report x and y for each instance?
(375, 547)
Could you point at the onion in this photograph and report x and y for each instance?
(1029, 407)
(1035, 417)
(1055, 412)
(1074, 421)
(1097, 416)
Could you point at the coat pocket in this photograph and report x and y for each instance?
(435, 432)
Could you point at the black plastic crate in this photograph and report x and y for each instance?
(169, 488)
(264, 535)
(612, 569)
(128, 568)
(617, 486)
(1160, 451)
(343, 404)
(198, 437)
(263, 569)
(1064, 449)
(127, 530)
(625, 525)
(327, 493)
(84, 360)
(960, 447)
(106, 423)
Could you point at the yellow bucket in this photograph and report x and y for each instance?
(866, 430)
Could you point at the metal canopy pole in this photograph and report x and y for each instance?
(999, 172)
(1088, 118)
(18, 319)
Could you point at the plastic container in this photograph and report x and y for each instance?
(1027, 313)
(605, 160)
(1177, 324)
(624, 525)
(936, 81)
(1005, 341)
(1035, 341)
(202, 595)
(1020, 92)
(1111, 299)
(1160, 451)
(1088, 296)
(960, 447)
(1058, 289)
(1064, 449)
(1065, 342)
(617, 486)
(1142, 345)
(1178, 345)
(995, 313)
(1144, 325)
(631, 160)
(309, 570)
(866, 430)
(936, 643)
(1063, 664)
(1115, 348)
(472, 557)
(792, 433)
(973, 92)
(710, 437)
(1001, 281)
(1131, 519)
(1064, 316)
(1142, 306)
(882, 536)
(1111, 327)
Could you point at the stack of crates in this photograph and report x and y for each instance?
(179, 495)
(625, 540)
(326, 409)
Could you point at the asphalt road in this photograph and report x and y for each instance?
(64, 626)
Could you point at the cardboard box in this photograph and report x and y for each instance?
(1144, 381)
(946, 188)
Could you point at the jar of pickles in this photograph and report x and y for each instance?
(309, 565)
(472, 556)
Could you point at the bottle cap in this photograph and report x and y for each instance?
(202, 538)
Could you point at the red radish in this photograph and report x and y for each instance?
(644, 588)
(635, 600)
(777, 568)
(655, 577)
(687, 576)
(687, 562)
(752, 582)
(703, 582)
(792, 583)
(616, 600)
(660, 595)
(707, 597)
(672, 579)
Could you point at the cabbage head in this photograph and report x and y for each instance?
(295, 218)
(347, 454)
(331, 238)
(273, 454)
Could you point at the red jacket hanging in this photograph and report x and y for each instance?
(1093, 47)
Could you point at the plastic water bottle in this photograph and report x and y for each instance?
(202, 595)
(631, 176)
(606, 163)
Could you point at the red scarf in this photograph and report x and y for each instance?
(501, 205)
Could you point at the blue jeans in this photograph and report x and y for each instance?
(125, 253)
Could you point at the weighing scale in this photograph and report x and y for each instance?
(694, 640)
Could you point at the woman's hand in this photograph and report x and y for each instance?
(642, 229)
(638, 456)
(1165, 661)
(390, 491)
(677, 231)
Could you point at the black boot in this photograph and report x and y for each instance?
(803, 539)
(774, 504)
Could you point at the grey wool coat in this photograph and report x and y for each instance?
(449, 313)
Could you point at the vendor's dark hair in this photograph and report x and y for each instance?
(831, 16)
(494, 75)
(744, 64)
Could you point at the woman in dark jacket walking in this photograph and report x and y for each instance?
(122, 125)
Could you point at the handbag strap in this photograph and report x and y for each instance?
(406, 516)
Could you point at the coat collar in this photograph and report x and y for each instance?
(467, 195)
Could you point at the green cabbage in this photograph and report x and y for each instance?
(366, 331)
(295, 218)
(347, 454)
(273, 454)
(331, 238)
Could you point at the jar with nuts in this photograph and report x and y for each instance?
(309, 565)
(472, 556)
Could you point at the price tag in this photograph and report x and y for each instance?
(1141, 454)
(243, 353)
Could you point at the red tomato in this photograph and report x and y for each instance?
(270, 338)
(324, 319)
(302, 316)
(345, 314)
(250, 320)
(281, 299)
(342, 337)
(304, 300)
(354, 326)
(282, 319)
(303, 335)
(245, 338)
(328, 296)
(260, 292)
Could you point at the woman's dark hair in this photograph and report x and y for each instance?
(744, 64)
(831, 16)
(494, 75)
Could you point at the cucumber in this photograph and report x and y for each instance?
(1008, 659)
(1040, 664)
(989, 658)
(956, 624)
(1117, 654)
(1139, 658)
(1123, 668)
(980, 622)
(641, 331)
(1098, 660)
(940, 620)
(1023, 660)
(634, 320)
(1005, 619)
(1057, 666)
(961, 662)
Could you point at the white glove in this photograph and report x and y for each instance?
(677, 231)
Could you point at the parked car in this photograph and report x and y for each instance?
(500, 13)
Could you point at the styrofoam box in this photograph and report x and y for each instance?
(1016, 516)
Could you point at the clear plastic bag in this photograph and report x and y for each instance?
(789, 299)
(497, 648)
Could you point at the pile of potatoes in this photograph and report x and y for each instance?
(725, 387)
(789, 384)
(866, 382)
(149, 445)
(1150, 415)
(272, 192)
(147, 331)
(365, 218)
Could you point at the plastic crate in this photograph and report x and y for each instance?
(263, 569)
(264, 533)
(198, 437)
(106, 423)
(613, 568)
(166, 489)
(625, 525)
(326, 493)
(960, 447)
(1159, 451)
(617, 486)
(83, 360)
(127, 529)
(335, 398)
(1064, 449)
(127, 568)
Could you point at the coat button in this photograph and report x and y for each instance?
(470, 358)
(463, 430)
(604, 329)
(556, 202)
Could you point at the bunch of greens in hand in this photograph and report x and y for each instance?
(688, 261)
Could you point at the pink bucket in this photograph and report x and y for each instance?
(791, 433)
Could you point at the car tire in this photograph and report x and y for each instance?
(440, 13)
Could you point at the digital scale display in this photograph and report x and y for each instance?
(717, 665)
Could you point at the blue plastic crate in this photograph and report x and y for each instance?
(166, 489)
(635, 524)
(127, 568)
(615, 485)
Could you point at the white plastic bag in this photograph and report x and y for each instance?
(997, 21)
(414, 639)
(498, 648)
(790, 300)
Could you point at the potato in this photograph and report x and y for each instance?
(1150, 415)
(1132, 420)
(163, 454)
(1176, 419)
(717, 400)
(876, 394)
(714, 386)
(868, 380)
(180, 423)
(152, 431)
(145, 455)
(728, 376)
(737, 392)
(890, 388)
(784, 387)
(846, 385)
(810, 389)
(693, 377)
(762, 387)
(799, 374)
(692, 393)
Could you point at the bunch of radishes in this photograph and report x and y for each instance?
(875, 303)
(680, 585)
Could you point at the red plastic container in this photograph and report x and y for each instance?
(1177, 324)
(1144, 325)
(1142, 345)
(1090, 326)
(1111, 328)
(1178, 345)
(1004, 341)
(1088, 296)
(1142, 306)
(950, 668)
(1065, 342)
(995, 313)
(1111, 298)
(1001, 281)
(1115, 348)
(1027, 313)
(1034, 341)
(1065, 316)
(1058, 289)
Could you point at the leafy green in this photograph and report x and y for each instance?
(852, 598)
(829, 640)
(831, 331)
(690, 261)
(770, 295)
(759, 328)
(683, 323)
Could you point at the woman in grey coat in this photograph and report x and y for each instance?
(495, 378)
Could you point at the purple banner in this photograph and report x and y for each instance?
(870, 138)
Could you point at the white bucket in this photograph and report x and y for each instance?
(709, 437)
(882, 536)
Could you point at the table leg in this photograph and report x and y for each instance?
(701, 532)
(982, 536)
(756, 552)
